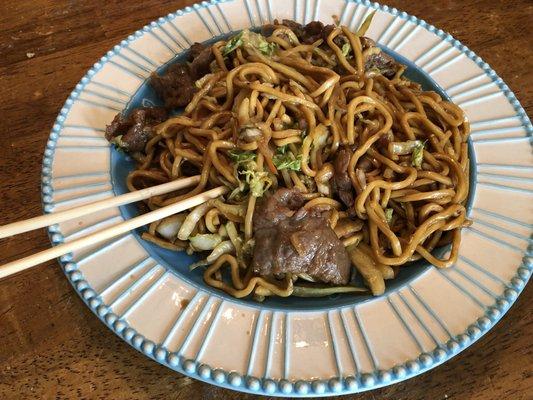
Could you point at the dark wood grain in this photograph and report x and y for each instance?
(52, 346)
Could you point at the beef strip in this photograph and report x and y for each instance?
(338, 40)
(276, 207)
(385, 64)
(296, 242)
(382, 62)
(311, 32)
(202, 57)
(342, 184)
(176, 86)
(294, 26)
(136, 129)
(195, 51)
(268, 29)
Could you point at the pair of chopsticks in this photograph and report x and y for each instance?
(104, 234)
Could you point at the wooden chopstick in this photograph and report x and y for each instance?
(108, 233)
(55, 218)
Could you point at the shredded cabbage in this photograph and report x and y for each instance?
(233, 43)
(418, 155)
(388, 215)
(222, 248)
(257, 182)
(239, 156)
(170, 226)
(246, 38)
(284, 159)
(403, 148)
(207, 241)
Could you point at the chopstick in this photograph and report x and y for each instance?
(55, 218)
(108, 233)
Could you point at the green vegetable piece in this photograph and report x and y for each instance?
(257, 182)
(258, 41)
(388, 215)
(346, 49)
(239, 156)
(233, 43)
(284, 159)
(403, 148)
(417, 156)
(267, 48)
(282, 149)
(366, 24)
(250, 39)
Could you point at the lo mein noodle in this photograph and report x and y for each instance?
(337, 164)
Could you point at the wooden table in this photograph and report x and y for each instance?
(51, 345)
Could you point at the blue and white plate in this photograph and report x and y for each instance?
(301, 347)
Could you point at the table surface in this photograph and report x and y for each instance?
(51, 345)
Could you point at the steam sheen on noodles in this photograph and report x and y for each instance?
(330, 118)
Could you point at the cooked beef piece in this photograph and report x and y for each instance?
(381, 61)
(312, 32)
(136, 129)
(175, 87)
(294, 26)
(298, 242)
(339, 41)
(201, 58)
(195, 50)
(342, 184)
(267, 29)
(383, 141)
(309, 33)
(280, 205)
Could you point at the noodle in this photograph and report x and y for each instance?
(276, 112)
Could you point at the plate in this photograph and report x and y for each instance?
(296, 347)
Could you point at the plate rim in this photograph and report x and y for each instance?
(282, 387)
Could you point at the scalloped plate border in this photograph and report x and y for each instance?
(283, 387)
